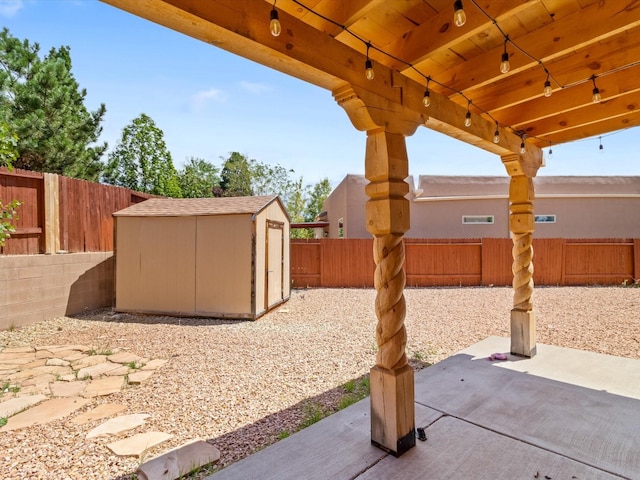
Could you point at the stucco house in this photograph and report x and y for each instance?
(478, 207)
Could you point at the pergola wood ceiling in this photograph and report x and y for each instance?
(574, 40)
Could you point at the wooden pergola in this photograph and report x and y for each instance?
(573, 70)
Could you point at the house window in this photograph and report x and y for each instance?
(477, 219)
(545, 219)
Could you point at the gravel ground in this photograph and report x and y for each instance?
(241, 384)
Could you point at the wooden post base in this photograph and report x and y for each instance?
(523, 333)
(392, 409)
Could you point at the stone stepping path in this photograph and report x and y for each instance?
(47, 383)
(59, 371)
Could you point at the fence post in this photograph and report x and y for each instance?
(51, 213)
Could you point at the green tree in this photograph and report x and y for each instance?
(317, 195)
(296, 208)
(43, 104)
(198, 178)
(8, 146)
(272, 180)
(141, 160)
(237, 175)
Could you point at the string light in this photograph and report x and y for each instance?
(550, 154)
(596, 97)
(459, 17)
(467, 117)
(274, 24)
(426, 100)
(496, 135)
(523, 150)
(368, 66)
(601, 147)
(547, 87)
(505, 66)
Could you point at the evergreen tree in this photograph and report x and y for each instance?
(142, 162)
(43, 104)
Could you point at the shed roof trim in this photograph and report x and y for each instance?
(184, 207)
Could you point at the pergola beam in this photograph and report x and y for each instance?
(241, 27)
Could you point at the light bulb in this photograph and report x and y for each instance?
(550, 154)
(274, 24)
(596, 95)
(426, 100)
(459, 17)
(505, 66)
(496, 137)
(547, 89)
(467, 119)
(522, 149)
(369, 70)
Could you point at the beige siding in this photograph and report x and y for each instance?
(173, 257)
(155, 269)
(444, 219)
(223, 265)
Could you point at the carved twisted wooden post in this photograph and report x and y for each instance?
(392, 394)
(389, 281)
(387, 217)
(521, 225)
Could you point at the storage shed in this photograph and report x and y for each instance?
(213, 257)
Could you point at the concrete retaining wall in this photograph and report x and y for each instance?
(39, 287)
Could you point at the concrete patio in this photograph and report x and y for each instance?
(565, 414)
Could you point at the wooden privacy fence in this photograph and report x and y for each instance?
(467, 262)
(61, 214)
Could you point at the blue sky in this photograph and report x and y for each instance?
(209, 102)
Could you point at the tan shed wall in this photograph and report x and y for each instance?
(155, 269)
(223, 264)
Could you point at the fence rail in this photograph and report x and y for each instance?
(467, 262)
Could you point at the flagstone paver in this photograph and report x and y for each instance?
(124, 357)
(17, 360)
(140, 377)
(121, 370)
(138, 444)
(95, 371)
(53, 370)
(103, 386)
(57, 362)
(72, 357)
(68, 389)
(179, 461)
(89, 361)
(18, 404)
(154, 364)
(17, 350)
(119, 424)
(57, 348)
(43, 379)
(45, 412)
(101, 411)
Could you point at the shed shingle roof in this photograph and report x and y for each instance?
(180, 207)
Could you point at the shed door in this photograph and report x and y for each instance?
(274, 263)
